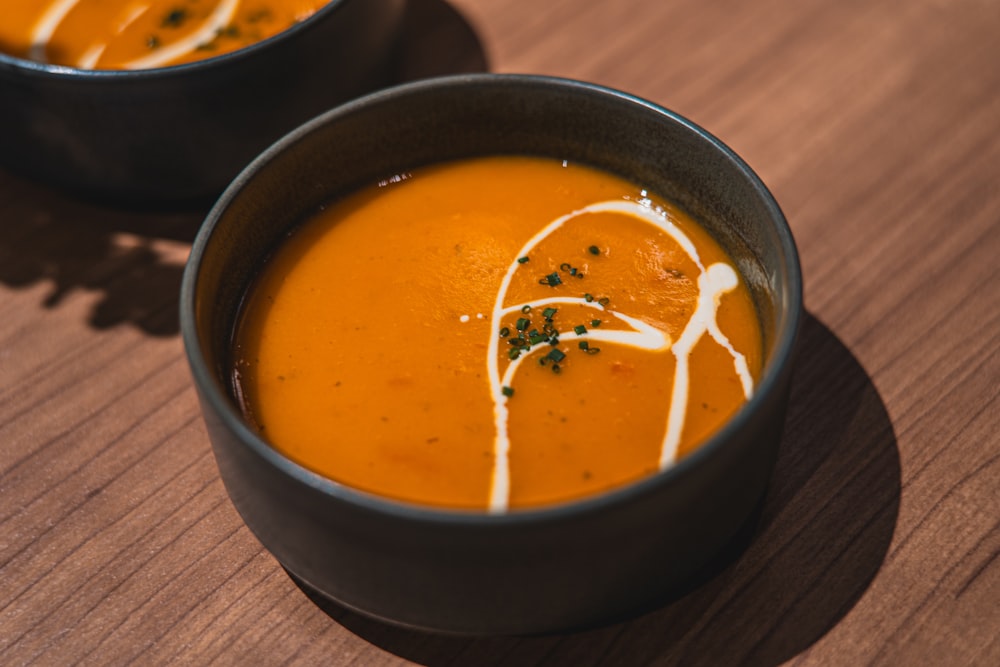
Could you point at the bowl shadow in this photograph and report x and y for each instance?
(821, 534)
(436, 40)
(134, 259)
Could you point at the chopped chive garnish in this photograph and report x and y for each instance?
(572, 271)
(595, 323)
(174, 19)
(604, 301)
(522, 260)
(507, 391)
(565, 266)
(594, 250)
(556, 368)
(556, 355)
(504, 332)
(549, 312)
(588, 297)
(537, 338)
(542, 361)
(514, 354)
(580, 329)
(525, 308)
(583, 345)
(551, 280)
(522, 323)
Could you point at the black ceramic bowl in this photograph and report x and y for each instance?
(180, 134)
(528, 571)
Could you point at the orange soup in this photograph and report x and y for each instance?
(139, 34)
(494, 334)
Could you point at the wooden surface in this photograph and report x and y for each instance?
(876, 123)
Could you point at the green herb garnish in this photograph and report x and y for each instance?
(570, 269)
(580, 329)
(551, 280)
(259, 15)
(174, 18)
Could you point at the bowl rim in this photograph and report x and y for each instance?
(68, 72)
(209, 385)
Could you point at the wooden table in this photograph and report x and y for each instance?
(876, 123)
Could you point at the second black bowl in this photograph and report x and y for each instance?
(179, 134)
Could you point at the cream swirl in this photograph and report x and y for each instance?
(713, 282)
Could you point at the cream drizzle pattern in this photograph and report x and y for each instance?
(57, 11)
(47, 25)
(713, 282)
(93, 54)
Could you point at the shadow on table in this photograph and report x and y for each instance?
(48, 236)
(822, 534)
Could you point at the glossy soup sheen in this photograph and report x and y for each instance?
(141, 34)
(401, 341)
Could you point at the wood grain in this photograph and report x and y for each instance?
(877, 126)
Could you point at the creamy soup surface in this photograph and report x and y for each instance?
(495, 334)
(140, 34)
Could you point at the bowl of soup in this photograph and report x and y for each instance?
(494, 353)
(165, 101)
